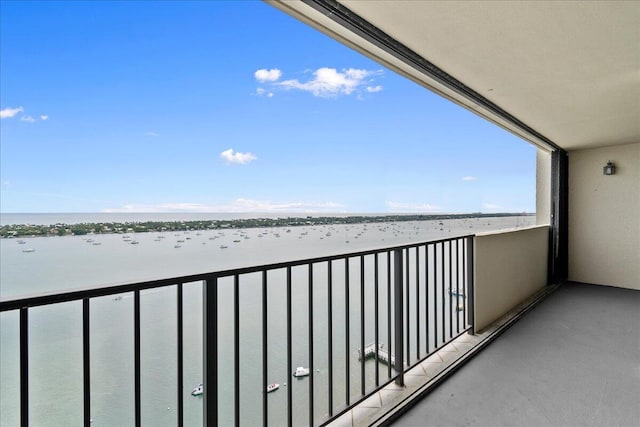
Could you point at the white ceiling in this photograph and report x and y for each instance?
(568, 69)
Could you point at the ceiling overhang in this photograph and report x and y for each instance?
(558, 74)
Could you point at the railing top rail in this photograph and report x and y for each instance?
(101, 291)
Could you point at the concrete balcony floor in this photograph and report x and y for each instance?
(574, 360)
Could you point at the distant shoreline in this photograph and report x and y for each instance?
(78, 229)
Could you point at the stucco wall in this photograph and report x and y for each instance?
(543, 187)
(604, 216)
(510, 266)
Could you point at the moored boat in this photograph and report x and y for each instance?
(301, 371)
(272, 387)
(198, 390)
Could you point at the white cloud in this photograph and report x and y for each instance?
(329, 82)
(9, 112)
(412, 207)
(492, 207)
(469, 178)
(27, 119)
(151, 134)
(44, 117)
(264, 75)
(238, 158)
(324, 82)
(236, 206)
(248, 205)
(263, 92)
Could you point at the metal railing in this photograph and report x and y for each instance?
(414, 298)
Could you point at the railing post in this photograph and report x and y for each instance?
(137, 369)
(24, 367)
(86, 357)
(180, 354)
(470, 284)
(210, 350)
(399, 316)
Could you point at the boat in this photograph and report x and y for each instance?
(177, 246)
(272, 387)
(456, 293)
(223, 246)
(198, 390)
(28, 250)
(301, 371)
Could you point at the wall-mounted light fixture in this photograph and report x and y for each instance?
(609, 169)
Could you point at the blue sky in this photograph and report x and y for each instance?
(229, 107)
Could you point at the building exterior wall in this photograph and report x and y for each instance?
(604, 216)
(543, 187)
(510, 266)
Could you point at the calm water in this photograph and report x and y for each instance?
(60, 263)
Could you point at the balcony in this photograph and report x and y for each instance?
(565, 356)
(415, 303)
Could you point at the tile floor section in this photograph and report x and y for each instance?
(367, 412)
(371, 411)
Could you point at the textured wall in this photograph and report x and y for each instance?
(604, 216)
(543, 187)
(510, 266)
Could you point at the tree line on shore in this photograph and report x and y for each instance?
(35, 230)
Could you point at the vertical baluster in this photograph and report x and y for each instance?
(210, 350)
(442, 302)
(362, 379)
(465, 301)
(406, 320)
(435, 296)
(389, 313)
(426, 293)
(375, 318)
(136, 346)
(180, 355)
(417, 302)
(458, 292)
(24, 367)
(236, 347)
(470, 284)
(265, 366)
(330, 333)
(399, 317)
(86, 358)
(289, 350)
(346, 331)
(311, 366)
(450, 290)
